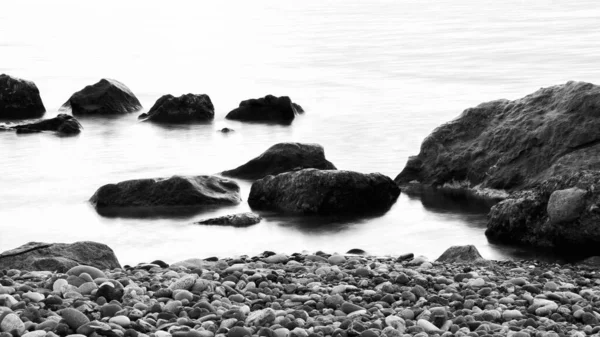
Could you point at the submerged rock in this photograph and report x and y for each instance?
(107, 97)
(312, 191)
(173, 191)
(62, 124)
(283, 157)
(185, 108)
(507, 144)
(235, 220)
(268, 108)
(19, 99)
(59, 256)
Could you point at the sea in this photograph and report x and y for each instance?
(375, 78)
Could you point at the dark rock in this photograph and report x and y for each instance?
(566, 205)
(508, 144)
(182, 109)
(283, 157)
(460, 254)
(174, 191)
(235, 220)
(59, 256)
(107, 97)
(312, 191)
(348, 307)
(356, 251)
(268, 108)
(63, 124)
(19, 99)
(226, 130)
(160, 263)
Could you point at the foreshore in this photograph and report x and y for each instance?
(304, 295)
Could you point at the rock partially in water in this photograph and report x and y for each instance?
(569, 220)
(460, 254)
(182, 109)
(168, 192)
(235, 220)
(509, 144)
(19, 99)
(268, 108)
(63, 124)
(107, 97)
(59, 256)
(283, 157)
(312, 191)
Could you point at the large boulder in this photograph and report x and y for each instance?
(107, 97)
(63, 124)
(559, 213)
(268, 108)
(280, 158)
(169, 192)
(507, 144)
(312, 191)
(185, 108)
(19, 99)
(59, 257)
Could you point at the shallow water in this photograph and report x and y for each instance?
(374, 78)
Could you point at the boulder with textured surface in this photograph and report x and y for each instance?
(460, 254)
(507, 144)
(312, 191)
(268, 108)
(107, 97)
(59, 256)
(19, 99)
(173, 191)
(235, 220)
(62, 124)
(182, 109)
(283, 157)
(533, 217)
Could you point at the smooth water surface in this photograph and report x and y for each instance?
(374, 77)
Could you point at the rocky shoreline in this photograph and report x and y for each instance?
(306, 295)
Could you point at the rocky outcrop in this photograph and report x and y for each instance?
(62, 124)
(312, 191)
(107, 97)
(283, 157)
(234, 220)
(507, 144)
(461, 254)
(182, 109)
(562, 212)
(19, 99)
(59, 257)
(168, 192)
(268, 108)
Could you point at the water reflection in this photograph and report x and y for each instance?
(449, 201)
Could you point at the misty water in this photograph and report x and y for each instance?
(375, 78)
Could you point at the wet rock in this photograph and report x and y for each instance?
(182, 109)
(62, 124)
(19, 99)
(283, 157)
(107, 97)
(460, 254)
(312, 191)
(235, 220)
(267, 109)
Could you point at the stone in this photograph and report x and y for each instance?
(277, 258)
(34, 296)
(106, 97)
(95, 326)
(325, 192)
(511, 314)
(428, 326)
(281, 158)
(348, 307)
(336, 259)
(120, 320)
(460, 254)
(74, 318)
(183, 109)
(93, 272)
(238, 331)
(168, 192)
(36, 333)
(186, 282)
(12, 322)
(566, 205)
(267, 109)
(235, 220)
(19, 99)
(182, 294)
(59, 256)
(62, 124)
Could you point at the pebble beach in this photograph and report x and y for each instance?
(304, 295)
